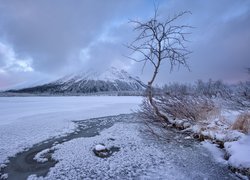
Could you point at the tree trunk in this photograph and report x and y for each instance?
(163, 118)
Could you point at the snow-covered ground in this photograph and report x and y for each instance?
(239, 152)
(140, 156)
(25, 121)
(219, 131)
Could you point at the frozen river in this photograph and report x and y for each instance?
(33, 126)
(25, 121)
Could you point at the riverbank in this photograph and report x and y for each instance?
(140, 155)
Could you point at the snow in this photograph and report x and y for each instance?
(237, 144)
(188, 137)
(230, 115)
(139, 157)
(25, 121)
(217, 153)
(222, 134)
(111, 74)
(99, 147)
(4, 176)
(217, 129)
(39, 157)
(239, 152)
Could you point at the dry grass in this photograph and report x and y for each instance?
(189, 107)
(242, 123)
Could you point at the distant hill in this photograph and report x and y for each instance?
(111, 81)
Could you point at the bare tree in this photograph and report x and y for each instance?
(159, 41)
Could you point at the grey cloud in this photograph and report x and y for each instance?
(54, 33)
(219, 40)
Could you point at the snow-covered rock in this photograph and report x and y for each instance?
(101, 151)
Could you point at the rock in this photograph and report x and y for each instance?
(101, 151)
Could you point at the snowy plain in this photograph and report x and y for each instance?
(25, 121)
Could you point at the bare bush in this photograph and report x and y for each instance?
(186, 108)
(151, 120)
(240, 96)
(234, 96)
(242, 123)
(178, 89)
(193, 108)
(212, 88)
(209, 89)
(147, 113)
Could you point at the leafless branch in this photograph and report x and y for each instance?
(159, 41)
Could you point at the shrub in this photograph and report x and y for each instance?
(192, 108)
(240, 96)
(242, 123)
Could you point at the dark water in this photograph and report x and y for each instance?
(23, 164)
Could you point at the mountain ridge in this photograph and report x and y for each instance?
(112, 80)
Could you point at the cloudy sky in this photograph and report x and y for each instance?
(44, 39)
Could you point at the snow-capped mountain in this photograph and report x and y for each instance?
(112, 80)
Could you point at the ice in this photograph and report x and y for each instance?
(25, 121)
(80, 162)
(139, 157)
